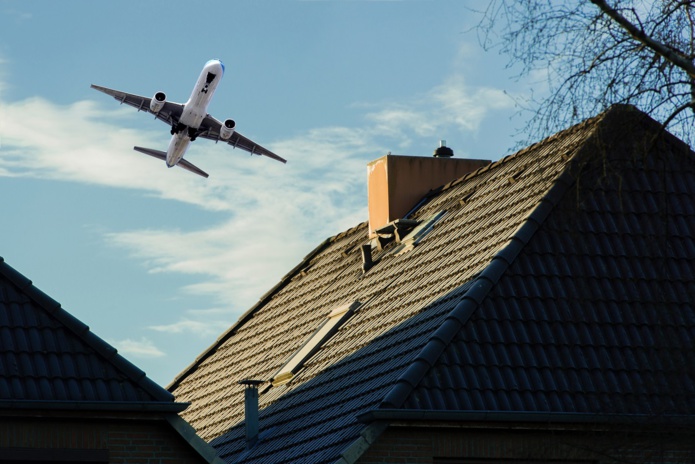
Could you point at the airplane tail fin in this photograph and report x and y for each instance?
(163, 156)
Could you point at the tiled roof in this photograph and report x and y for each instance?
(596, 314)
(49, 359)
(559, 280)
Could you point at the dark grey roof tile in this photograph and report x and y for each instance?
(48, 355)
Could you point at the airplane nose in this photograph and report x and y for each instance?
(215, 62)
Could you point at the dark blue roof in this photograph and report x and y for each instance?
(558, 283)
(596, 314)
(48, 358)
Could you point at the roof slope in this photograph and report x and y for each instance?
(596, 315)
(48, 358)
(412, 338)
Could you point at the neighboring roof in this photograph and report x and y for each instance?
(557, 283)
(49, 359)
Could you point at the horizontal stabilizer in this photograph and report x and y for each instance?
(149, 151)
(163, 156)
(192, 168)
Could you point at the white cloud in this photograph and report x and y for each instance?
(201, 328)
(275, 217)
(142, 348)
(398, 120)
(84, 143)
(467, 107)
(452, 104)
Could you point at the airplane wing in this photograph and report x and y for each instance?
(169, 114)
(210, 129)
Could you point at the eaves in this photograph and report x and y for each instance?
(96, 406)
(483, 419)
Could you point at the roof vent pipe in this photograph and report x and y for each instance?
(443, 151)
(251, 410)
(367, 262)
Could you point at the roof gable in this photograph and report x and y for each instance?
(411, 312)
(48, 358)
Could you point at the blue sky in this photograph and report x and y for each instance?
(158, 261)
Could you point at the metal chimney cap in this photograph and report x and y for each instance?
(250, 383)
(443, 151)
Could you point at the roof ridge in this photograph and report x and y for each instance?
(82, 331)
(417, 370)
(523, 151)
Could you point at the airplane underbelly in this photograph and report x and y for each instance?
(196, 108)
(193, 118)
(177, 148)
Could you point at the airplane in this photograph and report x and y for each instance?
(190, 120)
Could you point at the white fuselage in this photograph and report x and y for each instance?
(195, 110)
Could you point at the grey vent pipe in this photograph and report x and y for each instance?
(251, 410)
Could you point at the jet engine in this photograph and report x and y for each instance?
(227, 129)
(157, 102)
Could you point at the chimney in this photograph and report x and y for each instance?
(251, 410)
(396, 184)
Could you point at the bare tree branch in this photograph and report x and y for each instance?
(595, 53)
(674, 57)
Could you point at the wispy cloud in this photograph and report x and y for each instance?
(201, 328)
(466, 107)
(274, 217)
(451, 105)
(17, 15)
(142, 348)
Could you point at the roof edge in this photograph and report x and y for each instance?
(391, 415)
(521, 152)
(471, 300)
(125, 406)
(369, 435)
(80, 329)
(200, 446)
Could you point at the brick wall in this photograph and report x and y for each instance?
(127, 441)
(436, 445)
